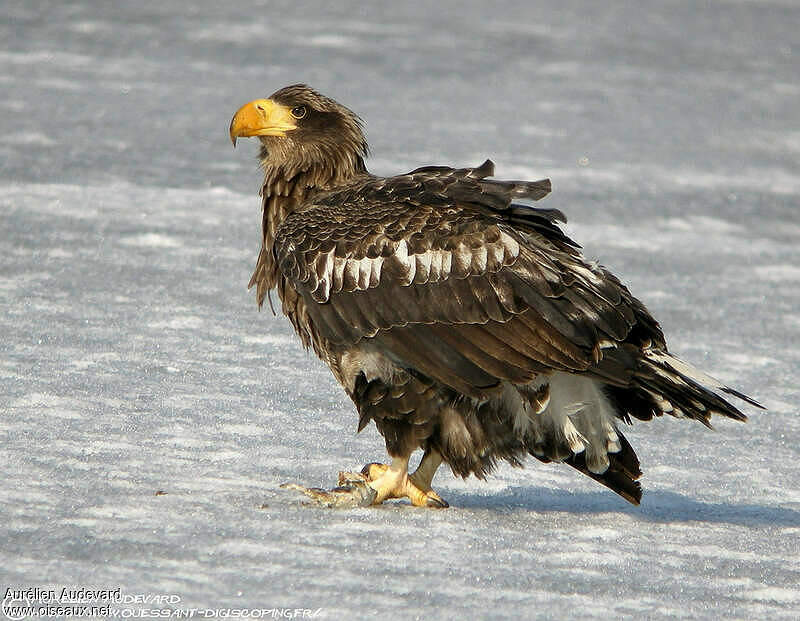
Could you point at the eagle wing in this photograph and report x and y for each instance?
(442, 272)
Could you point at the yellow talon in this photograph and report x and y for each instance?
(378, 482)
(393, 481)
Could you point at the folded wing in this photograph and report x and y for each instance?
(444, 273)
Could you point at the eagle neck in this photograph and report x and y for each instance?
(285, 191)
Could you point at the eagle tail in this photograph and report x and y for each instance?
(622, 474)
(676, 388)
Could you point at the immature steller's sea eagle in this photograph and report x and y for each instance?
(461, 322)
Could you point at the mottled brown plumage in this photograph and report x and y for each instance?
(460, 321)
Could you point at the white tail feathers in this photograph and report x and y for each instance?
(679, 389)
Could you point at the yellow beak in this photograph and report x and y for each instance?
(262, 117)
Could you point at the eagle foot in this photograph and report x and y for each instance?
(378, 482)
(392, 482)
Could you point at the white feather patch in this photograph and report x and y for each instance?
(364, 271)
(683, 368)
(510, 244)
(324, 269)
(479, 259)
(423, 267)
(447, 264)
(578, 414)
(435, 267)
(375, 272)
(373, 364)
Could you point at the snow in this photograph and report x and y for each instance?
(134, 360)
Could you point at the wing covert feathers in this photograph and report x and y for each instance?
(438, 246)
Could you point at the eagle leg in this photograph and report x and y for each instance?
(423, 475)
(393, 481)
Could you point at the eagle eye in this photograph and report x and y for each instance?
(299, 112)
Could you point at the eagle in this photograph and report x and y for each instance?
(458, 317)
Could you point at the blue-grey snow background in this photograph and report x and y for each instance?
(134, 359)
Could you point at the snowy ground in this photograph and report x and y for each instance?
(134, 360)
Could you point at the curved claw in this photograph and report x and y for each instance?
(434, 501)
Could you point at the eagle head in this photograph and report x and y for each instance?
(300, 129)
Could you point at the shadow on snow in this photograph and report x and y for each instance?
(657, 506)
